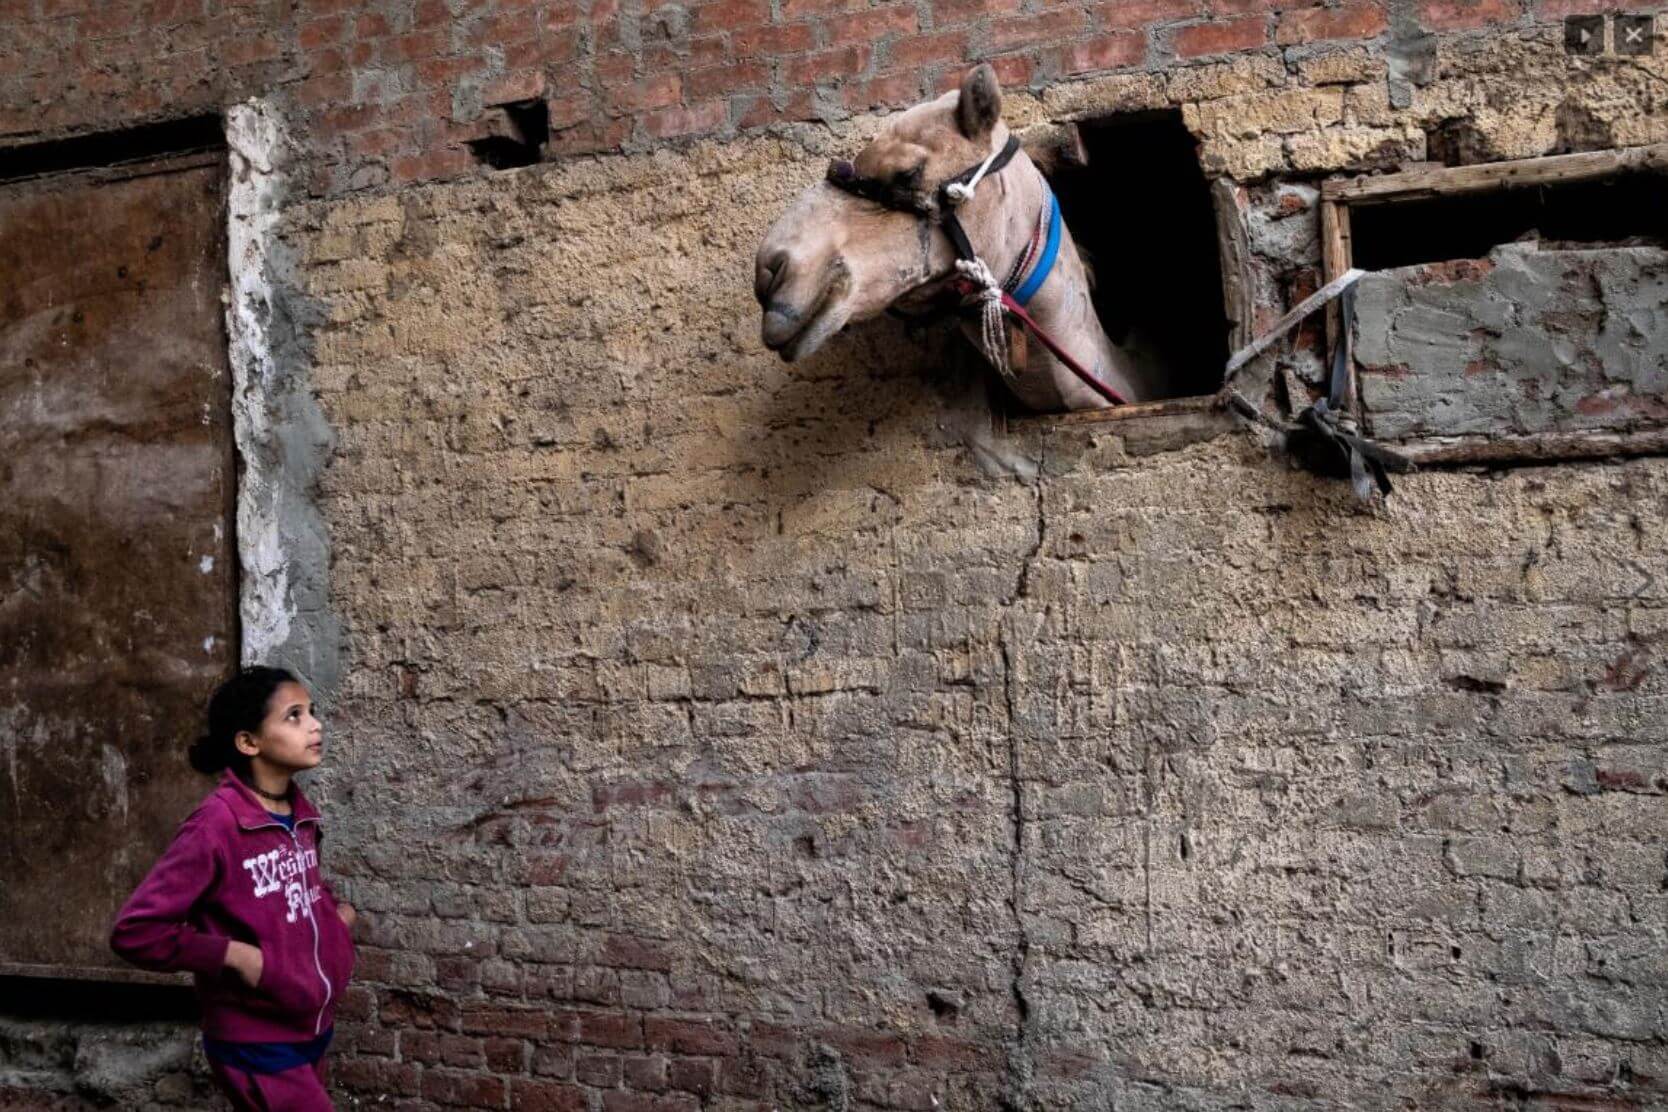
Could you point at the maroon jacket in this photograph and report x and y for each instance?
(233, 872)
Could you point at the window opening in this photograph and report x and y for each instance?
(1140, 208)
(1552, 353)
(1611, 211)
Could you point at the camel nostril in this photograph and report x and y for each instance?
(771, 270)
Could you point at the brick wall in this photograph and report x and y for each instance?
(728, 736)
(389, 92)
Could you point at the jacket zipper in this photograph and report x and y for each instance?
(307, 903)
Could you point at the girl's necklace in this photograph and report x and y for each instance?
(285, 798)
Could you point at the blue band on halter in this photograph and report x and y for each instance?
(1039, 273)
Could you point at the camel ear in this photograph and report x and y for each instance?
(980, 105)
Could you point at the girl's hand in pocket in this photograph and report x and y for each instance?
(246, 961)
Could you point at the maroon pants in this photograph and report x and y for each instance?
(298, 1090)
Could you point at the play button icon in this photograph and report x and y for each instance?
(1584, 34)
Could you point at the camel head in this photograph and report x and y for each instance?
(835, 258)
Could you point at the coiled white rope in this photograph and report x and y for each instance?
(993, 330)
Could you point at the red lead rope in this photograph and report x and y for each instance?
(967, 288)
(1082, 372)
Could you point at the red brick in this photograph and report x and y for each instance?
(525, 85)
(463, 1090)
(826, 65)
(694, 1075)
(499, 1019)
(372, 1075)
(687, 1036)
(1221, 38)
(760, 111)
(1128, 48)
(242, 52)
(788, 38)
(622, 951)
(380, 143)
(652, 92)
(1558, 9)
(645, 1102)
(800, 9)
(504, 1055)
(898, 90)
(713, 50)
(1013, 70)
(697, 119)
(445, 71)
(952, 13)
(599, 1070)
(729, 15)
(318, 32)
(1454, 15)
(610, 1029)
(723, 80)
(357, 1003)
(647, 1074)
(587, 138)
(939, 1053)
(547, 1096)
(1351, 21)
(1061, 23)
(418, 44)
(870, 26)
(921, 51)
(864, 1045)
(744, 1077)
(774, 1041)
(373, 25)
(1230, 8)
(1120, 14)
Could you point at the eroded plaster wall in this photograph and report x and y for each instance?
(721, 734)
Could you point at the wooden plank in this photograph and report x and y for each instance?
(1334, 259)
(1167, 408)
(1233, 249)
(1460, 451)
(1285, 324)
(1454, 180)
(125, 974)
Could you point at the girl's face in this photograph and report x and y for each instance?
(290, 738)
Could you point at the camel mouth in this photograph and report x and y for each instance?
(794, 334)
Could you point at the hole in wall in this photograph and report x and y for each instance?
(1140, 208)
(513, 134)
(1625, 207)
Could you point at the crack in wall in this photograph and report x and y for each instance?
(1017, 1086)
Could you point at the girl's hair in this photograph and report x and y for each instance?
(236, 706)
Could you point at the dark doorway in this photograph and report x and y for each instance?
(1141, 210)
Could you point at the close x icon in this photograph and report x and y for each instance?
(1633, 34)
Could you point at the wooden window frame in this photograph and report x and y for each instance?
(1233, 255)
(1340, 195)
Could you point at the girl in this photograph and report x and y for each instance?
(237, 899)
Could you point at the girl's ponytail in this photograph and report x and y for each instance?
(239, 705)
